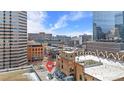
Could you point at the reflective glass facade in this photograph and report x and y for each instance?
(103, 22)
(119, 24)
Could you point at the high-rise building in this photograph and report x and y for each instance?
(13, 39)
(119, 25)
(84, 38)
(103, 22)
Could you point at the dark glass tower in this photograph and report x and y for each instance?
(103, 22)
(119, 25)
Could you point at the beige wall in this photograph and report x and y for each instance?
(79, 72)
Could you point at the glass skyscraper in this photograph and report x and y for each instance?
(103, 24)
(119, 25)
(13, 39)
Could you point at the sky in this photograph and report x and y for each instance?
(70, 23)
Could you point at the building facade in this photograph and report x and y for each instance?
(84, 38)
(39, 37)
(119, 25)
(104, 46)
(35, 51)
(66, 63)
(13, 39)
(103, 22)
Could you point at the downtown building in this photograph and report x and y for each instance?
(119, 25)
(39, 37)
(13, 39)
(103, 22)
(35, 51)
(108, 26)
(108, 34)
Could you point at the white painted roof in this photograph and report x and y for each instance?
(110, 70)
(79, 59)
(105, 72)
(69, 51)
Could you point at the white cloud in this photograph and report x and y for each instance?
(35, 16)
(76, 16)
(35, 21)
(63, 21)
(77, 33)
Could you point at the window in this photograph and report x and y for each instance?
(62, 66)
(33, 49)
(71, 69)
(71, 56)
(85, 79)
(36, 49)
(80, 77)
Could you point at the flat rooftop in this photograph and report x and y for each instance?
(105, 72)
(103, 69)
(19, 74)
(69, 51)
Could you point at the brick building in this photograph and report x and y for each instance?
(66, 63)
(35, 51)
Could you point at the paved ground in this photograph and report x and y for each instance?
(42, 72)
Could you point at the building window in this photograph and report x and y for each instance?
(62, 66)
(71, 69)
(33, 49)
(85, 79)
(80, 77)
(75, 54)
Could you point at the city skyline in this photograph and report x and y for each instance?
(60, 22)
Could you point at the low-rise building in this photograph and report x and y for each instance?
(35, 51)
(39, 37)
(97, 68)
(104, 46)
(86, 66)
(66, 62)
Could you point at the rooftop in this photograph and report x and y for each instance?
(19, 74)
(108, 70)
(69, 52)
(102, 42)
(105, 72)
(79, 59)
(32, 42)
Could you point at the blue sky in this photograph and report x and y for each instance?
(68, 23)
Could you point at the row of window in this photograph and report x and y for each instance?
(36, 49)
